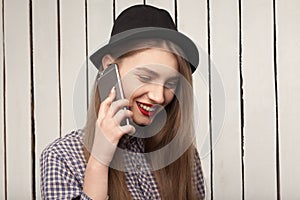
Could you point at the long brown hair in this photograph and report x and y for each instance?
(174, 180)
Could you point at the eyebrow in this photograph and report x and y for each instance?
(174, 78)
(148, 71)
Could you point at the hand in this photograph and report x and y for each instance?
(108, 130)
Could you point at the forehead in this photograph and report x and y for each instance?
(158, 60)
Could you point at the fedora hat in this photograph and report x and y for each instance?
(146, 22)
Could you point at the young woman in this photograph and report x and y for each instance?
(153, 157)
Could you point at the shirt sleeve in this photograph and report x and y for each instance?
(57, 181)
(198, 178)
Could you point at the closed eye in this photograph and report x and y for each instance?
(144, 78)
(171, 84)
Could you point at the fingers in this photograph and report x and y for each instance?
(108, 130)
(111, 107)
(111, 114)
(116, 106)
(122, 115)
(129, 129)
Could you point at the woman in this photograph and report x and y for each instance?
(153, 157)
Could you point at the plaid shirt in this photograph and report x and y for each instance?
(63, 166)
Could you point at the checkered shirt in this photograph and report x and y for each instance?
(63, 166)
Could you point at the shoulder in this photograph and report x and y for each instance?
(62, 167)
(70, 145)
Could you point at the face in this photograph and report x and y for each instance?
(149, 79)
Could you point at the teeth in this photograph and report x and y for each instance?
(147, 108)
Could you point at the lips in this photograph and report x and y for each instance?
(146, 109)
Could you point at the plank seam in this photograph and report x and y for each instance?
(276, 104)
(114, 10)
(241, 99)
(209, 103)
(58, 67)
(86, 53)
(33, 160)
(4, 103)
(175, 10)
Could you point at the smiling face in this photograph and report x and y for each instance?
(149, 79)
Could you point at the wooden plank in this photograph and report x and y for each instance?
(196, 29)
(17, 57)
(122, 5)
(72, 59)
(45, 61)
(99, 24)
(259, 115)
(288, 41)
(2, 122)
(227, 173)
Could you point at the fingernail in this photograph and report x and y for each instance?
(113, 89)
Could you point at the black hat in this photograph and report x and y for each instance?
(146, 22)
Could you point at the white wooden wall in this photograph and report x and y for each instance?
(254, 48)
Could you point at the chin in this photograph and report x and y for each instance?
(142, 122)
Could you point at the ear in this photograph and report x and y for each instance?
(107, 60)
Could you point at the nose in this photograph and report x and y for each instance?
(156, 94)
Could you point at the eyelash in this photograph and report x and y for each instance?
(144, 78)
(171, 85)
(147, 79)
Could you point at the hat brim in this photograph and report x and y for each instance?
(186, 44)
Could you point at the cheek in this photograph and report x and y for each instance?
(130, 87)
(169, 95)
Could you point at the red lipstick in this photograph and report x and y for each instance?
(143, 110)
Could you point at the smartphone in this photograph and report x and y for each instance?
(107, 79)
